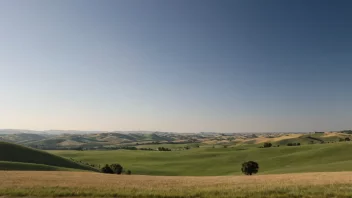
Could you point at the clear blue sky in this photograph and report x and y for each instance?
(182, 66)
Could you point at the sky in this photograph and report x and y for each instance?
(177, 66)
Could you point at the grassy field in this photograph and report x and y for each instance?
(26, 158)
(225, 161)
(85, 184)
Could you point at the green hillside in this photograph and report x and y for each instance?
(15, 153)
(226, 161)
(30, 167)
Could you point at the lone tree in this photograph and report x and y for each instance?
(250, 167)
(107, 169)
(116, 168)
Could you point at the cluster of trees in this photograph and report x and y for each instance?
(268, 145)
(163, 149)
(146, 149)
(294, 144)
(114, 169)
(347, 139)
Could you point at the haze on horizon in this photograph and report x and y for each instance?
(181, 66)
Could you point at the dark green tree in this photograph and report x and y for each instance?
(267, 144)
(250, 168)
(116, 168)
(129, 172)
(107, 169)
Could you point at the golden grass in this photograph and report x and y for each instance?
(332, 134)
(88, 179)
(275, 139)
(73, 184)
(263, 139)
(179, 186)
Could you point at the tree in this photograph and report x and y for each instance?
(116, 168)
(129, 172)
(267, 144)
(107, 169)
(347, 139)
(250, 167)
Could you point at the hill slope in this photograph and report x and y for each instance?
(15, 153)
(225, 161)
(30, 167)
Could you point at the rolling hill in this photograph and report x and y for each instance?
(4, 165)
(16, 157)
(207, 161)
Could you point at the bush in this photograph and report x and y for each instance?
(107, 169)
(294, 144)
(267, 144)
(129, 172)
(116, 168)
(250, 168)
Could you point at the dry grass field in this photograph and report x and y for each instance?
(86, 184)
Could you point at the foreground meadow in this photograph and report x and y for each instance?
(86, 184)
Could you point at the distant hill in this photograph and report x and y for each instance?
(15, 153)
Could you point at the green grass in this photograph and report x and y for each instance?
(225, 161)
(4, 165)
(16, 153)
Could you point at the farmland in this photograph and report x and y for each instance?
(84, 184)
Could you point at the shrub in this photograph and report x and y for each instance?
(267, 144)
(250, 168)
(129, 172)
(107, 169)
(116, 168)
